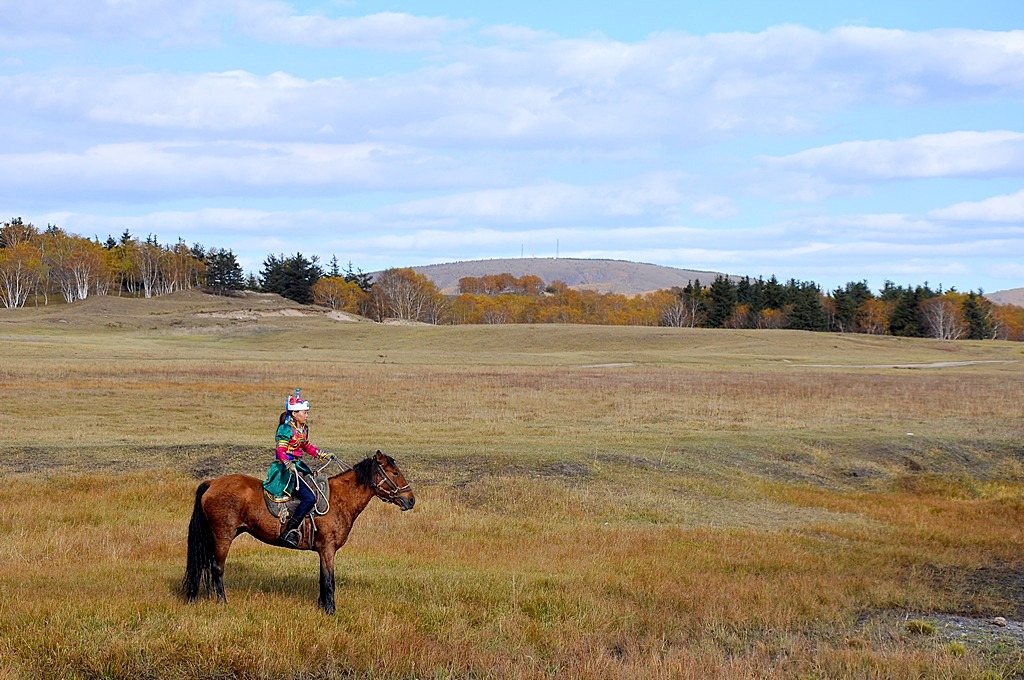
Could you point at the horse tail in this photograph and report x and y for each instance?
(202, 560)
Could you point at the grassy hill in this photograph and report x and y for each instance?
(592, 502)
(1012, 296)
(605, 276)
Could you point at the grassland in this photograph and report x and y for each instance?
(591, 502)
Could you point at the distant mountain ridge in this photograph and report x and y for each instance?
(1012, 296)
(604, 276)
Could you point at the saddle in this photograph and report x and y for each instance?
(283, 507)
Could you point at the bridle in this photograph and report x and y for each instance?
(392, 490)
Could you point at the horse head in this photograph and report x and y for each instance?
(389, 484)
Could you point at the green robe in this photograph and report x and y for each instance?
(280, 482)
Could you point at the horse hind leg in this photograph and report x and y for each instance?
(221, 548)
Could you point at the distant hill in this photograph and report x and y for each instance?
(604, 276)
(1013, 296)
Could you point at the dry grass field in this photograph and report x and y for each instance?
(592, 502)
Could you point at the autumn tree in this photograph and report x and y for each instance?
(74, 265)
(405, 294)
(471, 285)
(942, 318)
(530, 285)
(21, 268)
(16, 231)
(686, 308)
(337, 293)
(1008, 322)
(873, 316)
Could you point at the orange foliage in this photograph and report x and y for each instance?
(1009, 322)
(873, 316)
(337, 293)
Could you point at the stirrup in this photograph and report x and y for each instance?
(291, 537)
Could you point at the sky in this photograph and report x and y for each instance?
(826, 142)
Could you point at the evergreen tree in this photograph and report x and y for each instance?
(223, 273)
(757, 298)
(358, 277)
(848, 302)
(977, 311)
(722, 301)
(891, 292)
(272, 274)
(291, 277)
(744, 290)
(774, 294)
(808, 314)
(906, 316)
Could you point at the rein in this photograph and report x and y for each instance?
(393, 490)
(383, 487)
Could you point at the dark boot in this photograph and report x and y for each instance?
(291, 534)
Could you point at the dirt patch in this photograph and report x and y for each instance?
(566, 469)
(997, 637)
(626, 460)
(995, 590)
(936, 364)
(199, 461)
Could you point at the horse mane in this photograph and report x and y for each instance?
(364, 470)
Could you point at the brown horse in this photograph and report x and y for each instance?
(228, 506)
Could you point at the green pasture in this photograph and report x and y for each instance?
(592, 502)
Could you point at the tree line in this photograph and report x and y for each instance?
(40, 264)
(52, 263)
(910, 311)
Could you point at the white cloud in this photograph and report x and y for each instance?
(277, 22)
(639, 197)
(227, 168)
(670, 88)
(57, 23)
(176, 22)
(1006, 208)
(720, 207)
(952, 154)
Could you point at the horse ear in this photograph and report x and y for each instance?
(379, 455)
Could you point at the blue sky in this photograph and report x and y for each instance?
(819, 141)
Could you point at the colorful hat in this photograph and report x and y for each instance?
(295, 402)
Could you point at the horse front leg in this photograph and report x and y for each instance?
(327, 579)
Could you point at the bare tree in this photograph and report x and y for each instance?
(942, 318)
(146, 261)
(404, 294)
(21, 268)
